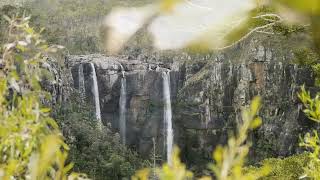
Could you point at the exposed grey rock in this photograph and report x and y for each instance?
(208, 93)
(58, 82)
(144, 95)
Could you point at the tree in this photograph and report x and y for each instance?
(98, 153)
(31, 144)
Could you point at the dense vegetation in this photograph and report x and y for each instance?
(27, 128)
(77, 24)
(33, 147)
(96, 153)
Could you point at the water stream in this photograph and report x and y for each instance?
(122, 109)
(167, 115)
(95, 91)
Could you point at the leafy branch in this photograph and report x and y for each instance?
(31, 145)
(229, 160)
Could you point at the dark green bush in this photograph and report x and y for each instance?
(97, 153)
(287, 168)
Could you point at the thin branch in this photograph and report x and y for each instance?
(270, 20)
(248, 34)
(265, 32)
(269, 15)
(198, 6)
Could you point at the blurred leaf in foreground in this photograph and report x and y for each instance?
(122, 23)
(31, 144)
(176, 24)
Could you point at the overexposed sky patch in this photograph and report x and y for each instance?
(192, 18)
(123, 23)
(187, 22)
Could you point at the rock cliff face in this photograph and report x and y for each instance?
(144, 96)
(207, 92)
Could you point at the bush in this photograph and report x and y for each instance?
(97, 153)
(288, 168)
(31, 145)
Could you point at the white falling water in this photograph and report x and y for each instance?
(81, 81)
(167, 114)
(122, 111)
(96, 93)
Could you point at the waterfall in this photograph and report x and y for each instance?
(96, 93)
(167, 116)
(81, 82)
(122, 111)
(207, 112)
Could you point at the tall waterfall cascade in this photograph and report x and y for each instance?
(122, 108)
(96, 93)
(167, 116)
(81, 82)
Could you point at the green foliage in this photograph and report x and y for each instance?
(31, 145)
(310, 9)
(100, 154)
(316, 70)
(312, 142)
(75, 23)
(309, 58)
(312, 105)
(288, 29)
(286, 168)
(260, 17)
(176, 171)
(305, 57)
(230, 159)
(8, 11)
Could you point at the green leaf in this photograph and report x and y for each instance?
(52, 123)
(45, 110)
(29, 30)
(256, 123)
(67, 168)
(218, 154)
(255, 105)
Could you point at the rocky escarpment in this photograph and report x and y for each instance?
(212, 98)
(208, 93)
(144, 96)
(56, 80)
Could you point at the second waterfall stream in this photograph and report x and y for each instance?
(167, 115)
(122, 108)
(96, 94)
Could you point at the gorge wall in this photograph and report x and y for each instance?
(207, 94)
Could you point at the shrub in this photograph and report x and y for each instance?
(31, 145)
(97, 153)
(286, 168)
